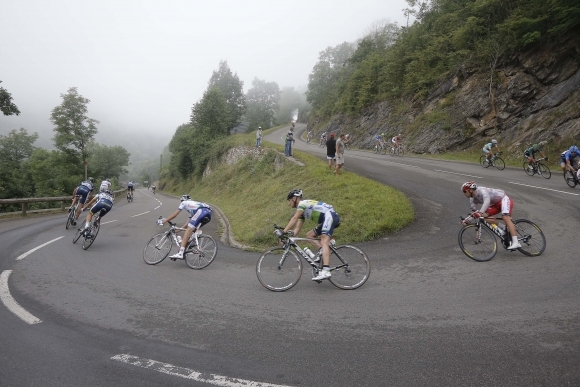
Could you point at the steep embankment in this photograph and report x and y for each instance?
(531, 97)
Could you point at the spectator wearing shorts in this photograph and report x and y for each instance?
(340, 153)
(331, 151)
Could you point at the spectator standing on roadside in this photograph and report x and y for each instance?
(331, 151)
(259, 136)
(340, 152)
(289, 141)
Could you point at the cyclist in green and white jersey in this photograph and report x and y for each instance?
(326, 219)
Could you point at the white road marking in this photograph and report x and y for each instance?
(110, 221)
(143, 213)
(547, 189)
(186, 373)
(456, 173)
(36, 248)
(156, 207)
(11, 303)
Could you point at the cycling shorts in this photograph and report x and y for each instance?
(328, 222)
(485, 150)
(505, 207)
(103, 206)
(202, 216)
(83, 191)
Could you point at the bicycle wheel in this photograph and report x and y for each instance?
(384, 149)
(392, 151)
(570, 180)
(401, 151)
(91, 236)
(544, 170)
(530, 237)
(158, 248)
(78, 234)
(478, 243)
(483, 161)
(278, 270)
(350, 267)
(200, 256)
(528, 168)
(70, 218)
(499, 163)
(376, 149)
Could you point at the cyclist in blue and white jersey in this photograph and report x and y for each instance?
(130, 187)
(105, 185)
(200, 214)
(324, 216)
(83, 190)
(567, 158)
(103, 203)
(488, 149)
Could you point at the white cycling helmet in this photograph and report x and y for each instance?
(185, 197)
(494, 141)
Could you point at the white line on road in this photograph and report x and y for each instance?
(11, 303)
(36, 248)
(547, 189)
(110, 221)
(460, 174)
(143, 213)
(186, 373)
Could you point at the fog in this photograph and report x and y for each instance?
(143, 64)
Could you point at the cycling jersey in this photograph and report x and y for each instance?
(486, 197)
(200, 212)
(531, 151)
(104, 203)
(568, 156)
(395, 139)
(105, 185)
(487, 147)
(378, 138)
(84, 189)
(192, 206)
(321, 213)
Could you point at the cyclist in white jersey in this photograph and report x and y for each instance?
(326, 219)
(492, 201)
(105, 185)
(200, 214)
(104, 203)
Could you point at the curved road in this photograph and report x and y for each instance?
(427, 316)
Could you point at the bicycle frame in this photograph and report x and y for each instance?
(504, 238)
(290, 243)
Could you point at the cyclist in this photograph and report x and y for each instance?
(488, 149)
(531, 152)
(130, 188)
(309, 136)
(567, 158)
(83, 190)
(200, 214)
(104, 203)
(153, 188)
(492, 201)
(379, 140)
(105, 185)
(322, 138)
(326, 219)
(396, 141)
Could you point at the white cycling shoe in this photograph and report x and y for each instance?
(514, 246)
(176, 256)
(322, 275)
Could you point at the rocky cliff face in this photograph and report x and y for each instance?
(533, 96)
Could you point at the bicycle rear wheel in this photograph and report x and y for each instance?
(530, 237)
(529, 169)
(78, 234)
(483, 161)
(91, 236)
(570, 180)
(544, 170)
(158, 248)
(401, 151)
(350, 267)
(499, 163)
(277, 270)
(71, 217)
(478, 243)
(200, 256)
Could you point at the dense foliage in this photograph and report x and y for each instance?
(393, 62)
(7, 107)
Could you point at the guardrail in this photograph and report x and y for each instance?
(65, 201)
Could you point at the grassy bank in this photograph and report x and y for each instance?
(252, 194)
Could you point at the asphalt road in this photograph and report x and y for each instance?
(427, 316)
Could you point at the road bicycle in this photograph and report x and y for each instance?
(571, 178)
(478, 242)
(308, 138)
(90, 234)
(398, 151)
(199, 253)
(537, 167)
(322, 142)
(129, 196)
(380, 147)
(495, 161)
(72, 212)
(280, 268)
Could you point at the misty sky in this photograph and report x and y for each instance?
(143, 64)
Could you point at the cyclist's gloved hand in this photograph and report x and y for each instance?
(477, 214)
(160, 222)
(290, 233)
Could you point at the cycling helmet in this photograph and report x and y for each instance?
(108, 191)
(185, 197)
(294, 192)
(91, 179)
(107, 179)
(468, 185)
(574, 149)
(494, 141)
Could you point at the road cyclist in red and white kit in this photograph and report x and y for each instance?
(200, 214)
(324, 216)
(492, 202)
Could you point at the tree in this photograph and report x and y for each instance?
(263, 103)
(7, 107)
(232, 90)
(15, 149)
(73, 129)
(210, 114)
(108, 161)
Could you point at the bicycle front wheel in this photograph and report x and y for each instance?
(401, 151)
(483, 161)
(478, 243)
(91, 236)
(279, 270)
(350, 267)
(570, 180)
(529, 169)
(499, 163)
(544, 170)
(200, 256)
(530, 237)
(78, 234)
(158, 248)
